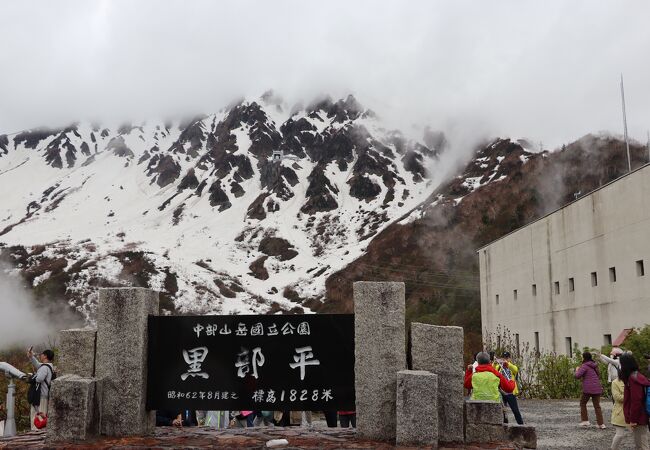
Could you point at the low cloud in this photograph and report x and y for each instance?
(23, 321)
(548, 71)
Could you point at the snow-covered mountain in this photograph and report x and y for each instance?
(246, 210)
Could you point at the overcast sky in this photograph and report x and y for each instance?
(545, 70)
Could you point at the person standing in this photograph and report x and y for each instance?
(613, 364)
(618, 417)
(509, 371)
(634, 400)
(43, 375)
(348, 418)
(591, 388)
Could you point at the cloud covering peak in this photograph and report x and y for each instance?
(545, 70)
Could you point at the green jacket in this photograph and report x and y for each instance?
(485, 383)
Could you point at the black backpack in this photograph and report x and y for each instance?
(34, 391)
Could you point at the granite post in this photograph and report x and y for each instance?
(380, 352)
(121, 362)
(417, 408)
(484, 422)
(77, 352)
(73, 409)
(439, 350)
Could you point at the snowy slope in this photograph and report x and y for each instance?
(202, 210)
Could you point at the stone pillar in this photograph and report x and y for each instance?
(484, 421)
(380, 352)
(121, 362)
(439, 350)
(73, 409)
(417, 408)
(77, 352)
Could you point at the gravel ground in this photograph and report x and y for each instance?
(557, 425)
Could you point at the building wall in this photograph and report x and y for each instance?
(609, 228)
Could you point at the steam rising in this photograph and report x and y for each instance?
(23, 322)
(547, 71)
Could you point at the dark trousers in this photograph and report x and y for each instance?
(330, 417)
(511, 401)
(347, 419)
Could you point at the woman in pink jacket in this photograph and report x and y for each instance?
(634, 400)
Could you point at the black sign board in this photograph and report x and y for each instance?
(251, 362)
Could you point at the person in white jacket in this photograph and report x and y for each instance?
(613, 364)
(43, 376)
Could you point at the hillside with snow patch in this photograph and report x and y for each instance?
(248, 210)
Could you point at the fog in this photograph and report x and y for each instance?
(548, 71)
(25, 323)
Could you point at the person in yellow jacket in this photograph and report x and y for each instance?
(618, 417)
(509, 371)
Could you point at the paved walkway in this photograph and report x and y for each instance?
(251, 438)
(556, 422)
(557, 425)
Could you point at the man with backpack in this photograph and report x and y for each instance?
(40, 382)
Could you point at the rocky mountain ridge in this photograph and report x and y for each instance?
(245, 210)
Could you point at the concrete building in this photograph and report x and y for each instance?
(577, 275)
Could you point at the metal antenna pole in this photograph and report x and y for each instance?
(627, 144)
(648, 146)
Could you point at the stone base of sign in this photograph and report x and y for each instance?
(439, 350)
(417, 408)
(524, 436)
(483, 412)
(77, 352)
(122, 324)
(72, 411)
(481, 433)
(380, 352)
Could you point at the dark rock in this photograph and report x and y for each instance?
(258, 270)
(319, 197)
(31, 138)
(275, 246)
(522, 435)
(189, 181)
(145, 156)
(256, 209)
(218, 197)
(363, 188)
(165, 168)
(119, 148)
(194, 135)
(4, 144)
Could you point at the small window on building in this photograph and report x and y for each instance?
(612, 274)
(607, 339)
(569, 345)
(517, 343)
(556, 287)
(536, 341)
(534, 290)
(594, 279)
(572, 286)
(497, 297)
(640, 271)
(514, 294)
